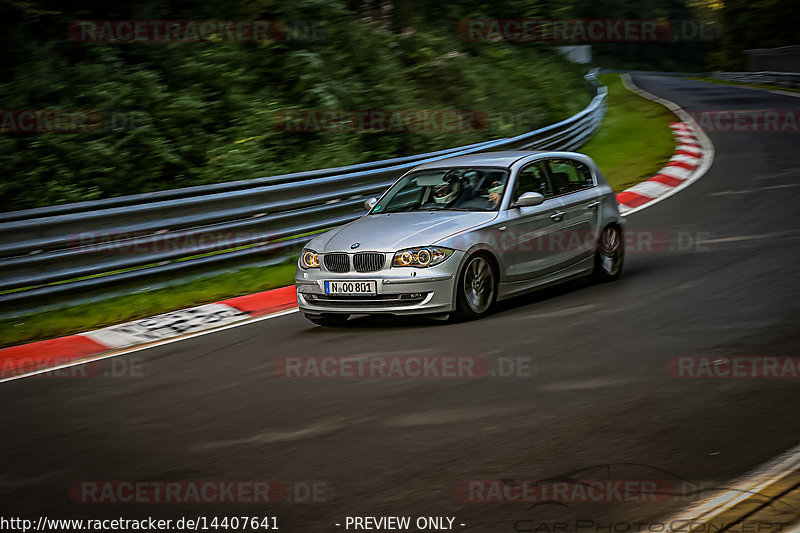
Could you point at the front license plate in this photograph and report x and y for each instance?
(368, 288)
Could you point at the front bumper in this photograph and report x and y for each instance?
(400, 291)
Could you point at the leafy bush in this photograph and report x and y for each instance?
(205, 111)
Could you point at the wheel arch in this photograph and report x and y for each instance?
(477, 249)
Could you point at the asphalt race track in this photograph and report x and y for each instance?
(723, 280)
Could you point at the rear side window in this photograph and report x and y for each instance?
(568, 175)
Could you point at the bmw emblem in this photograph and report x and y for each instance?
(355, 245)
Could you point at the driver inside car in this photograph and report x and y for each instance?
(447, 192)
(453, 192)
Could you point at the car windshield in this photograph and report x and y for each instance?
(452, 189)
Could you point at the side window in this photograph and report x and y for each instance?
(532, 179)
(569, 176)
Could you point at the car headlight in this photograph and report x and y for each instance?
(309, 259)
(421, 257)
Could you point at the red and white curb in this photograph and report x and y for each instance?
(687, 158)
(46, 356)
(693, 156)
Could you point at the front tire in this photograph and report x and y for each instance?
(610, 256)
(331, 321)
(476, 290)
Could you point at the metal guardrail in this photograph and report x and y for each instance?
(52, 252)
(783, 79)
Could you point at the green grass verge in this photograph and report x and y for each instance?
(632, 144)
(635, 140)
(119, 309)
(748, 85)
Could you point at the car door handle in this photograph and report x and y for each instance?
(592, 205)
(557, 216)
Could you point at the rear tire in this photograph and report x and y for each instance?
(610, 255)
(476, 289)
(331, 321)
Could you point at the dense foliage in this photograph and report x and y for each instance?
(205, 111)
(180, 114)
(749, 24)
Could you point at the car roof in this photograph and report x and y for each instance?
(484, 159)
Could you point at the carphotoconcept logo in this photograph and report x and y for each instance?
(591, 525)
(560, 498)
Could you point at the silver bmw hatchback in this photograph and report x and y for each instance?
(454, 236)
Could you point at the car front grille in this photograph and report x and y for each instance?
(368, 261)
(362, 262)
(337, 262)
(366, 302)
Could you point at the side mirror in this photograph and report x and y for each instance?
(369, 204)
(528, 199)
